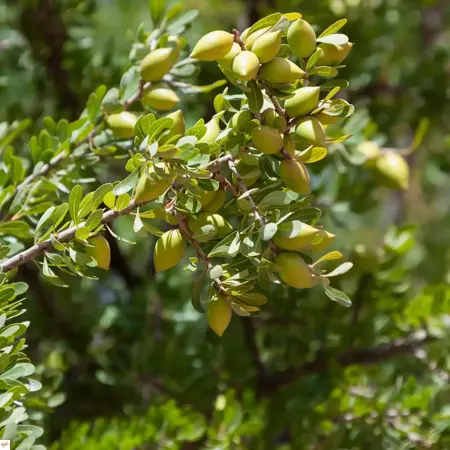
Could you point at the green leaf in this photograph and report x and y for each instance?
(275, 200)
(325, 72)
(215, 272)
(156, 8)
(93, 221)
(255, 97)
(337, 296)
(268, 231)
(179, 23)
(221, 249)
(110, 200)
(329, 257)
(74, 201)
(333, 28)
(86, 205)
(340, 270)
(122, 201)
(196, 293)
(421, 131)
(127, 184)
(82, 233)
(16, 228)
(99, 194)
(313, 59)
(313, 155)
(335, 39)
(265, 22)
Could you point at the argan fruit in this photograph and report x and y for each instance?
(245, 65)
(219, 314)
(249, 41)
(333, 55)
(217, 202)
(293, 271)
(213, 46)
(298, 242)
(295, 176)
(371, 150)
(303, 101)
(326, 119)
(280, 123)
(100, 251)
(289, 144)
(267, 46)
(212, 131)
(206, 197)
(156, 64)
(222, 226)
(149, 189)
(160, 97)
(267, 139)
(122, 124)
(309, 131)
(326, 239)
(178, 125)
(169, 250)
(269, 115)
(301, 38)
(241, 120)
(392, 171)
(280, 71)
(227, 61)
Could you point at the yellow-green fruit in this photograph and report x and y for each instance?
(213, 46)
(366, 259)
(303, 101)
(371, 150)
(100, 251)
(295, 176)
(122, 124)
(289, 144)
(219, 314)
(294, 271)
(149, 189)
(327, 119)
(267, 46)
(169, 250)
(160, 97)
(392, 171)
(241, 120)
(301, 38)
(298, 242)
(326, 239)
(206, 197)
(280, 124)
(267, 139)
(156, 64)
(249, 41)
(221, 226)
(178, 125)
(227, 61)
(269, 115)
(212, 131)
(310, 131)
(333, 55)
(280, 70)
(245, 66)
(217, 202)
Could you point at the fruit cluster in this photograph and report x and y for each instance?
(241, 191)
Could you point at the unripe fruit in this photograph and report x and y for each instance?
(295, 176)
(227, 61)
(100, 251)
(178, 125)
(206, 197)
(249, 41)
(303, 102)
(310, 131)
(280, 124)
(392, 171)
(371, 150)
(326, 239)
(294, 271)
(267, 139)
(149, 189)
(269, 115)
(280, 71)
(156, 64)
(332, 54)
(160, 97)
(213, 46)
(219, 314)
(289, 144)
(241, 120)
(222, 226)
(122, 124)
(296, 243)
(169, 250)
(267, 46)
(212, 131)
(217, 202)
(301, 38)
(327, 119)
(245, 66)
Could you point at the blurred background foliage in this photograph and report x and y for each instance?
(127, 363)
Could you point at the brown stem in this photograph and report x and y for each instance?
(137, 95)
(238, 40)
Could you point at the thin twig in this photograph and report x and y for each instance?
(238, 40)
(137, 95)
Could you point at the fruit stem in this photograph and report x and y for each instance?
(238, 40)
